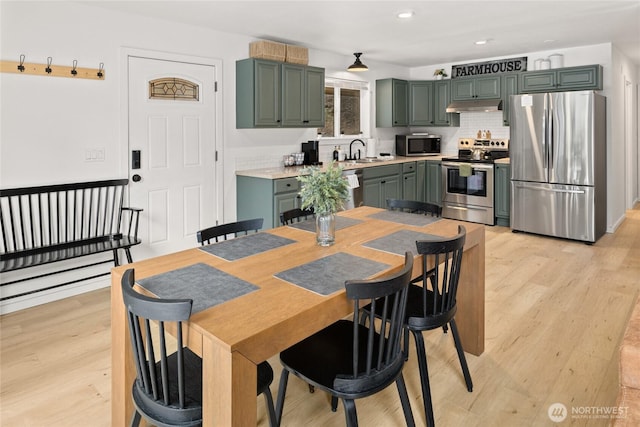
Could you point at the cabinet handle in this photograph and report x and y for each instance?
(305, 121)
(288, 185)
(383, 182)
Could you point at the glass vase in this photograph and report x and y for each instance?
(325, 229)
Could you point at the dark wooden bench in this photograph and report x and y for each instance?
(47, 224)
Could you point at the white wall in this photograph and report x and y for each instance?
(48, 123)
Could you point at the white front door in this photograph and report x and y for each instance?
(172, 125)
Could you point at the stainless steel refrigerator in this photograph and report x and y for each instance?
(558, 164)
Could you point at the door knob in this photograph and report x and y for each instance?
(136, 178)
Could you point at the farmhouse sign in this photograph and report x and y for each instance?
(509, 65)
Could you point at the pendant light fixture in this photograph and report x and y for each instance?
(358, 65)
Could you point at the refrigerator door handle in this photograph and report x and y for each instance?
(553, 190)
(550, 154)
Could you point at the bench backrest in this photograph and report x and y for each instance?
(33, 218)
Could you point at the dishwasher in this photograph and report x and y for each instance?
(356, 192)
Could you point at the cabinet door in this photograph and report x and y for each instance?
(442, 98)
(421, 181)
(421, 103)
(462, 89)
(400, 101)
(391, 189)
(509, 87)
(502, 184)
(267, 94)
(284, 202)
(580, 78)
(537, 81)
(314, 97)
(372, 193)
(434, 183)
(293, 91)
(487, 87)
(409, 186)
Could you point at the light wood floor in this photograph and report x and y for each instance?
(555, 313)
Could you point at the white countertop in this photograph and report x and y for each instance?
(293, 171)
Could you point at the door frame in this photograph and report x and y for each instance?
(123, 155)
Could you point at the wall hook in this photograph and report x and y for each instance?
(21, 66)
(48, 69)
(75, 64)
(100, 70)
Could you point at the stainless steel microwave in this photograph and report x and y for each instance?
(417, 145)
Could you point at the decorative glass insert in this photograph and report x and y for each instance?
(173, 88)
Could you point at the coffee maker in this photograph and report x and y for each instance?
(310, 150)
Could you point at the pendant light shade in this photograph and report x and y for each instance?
(358, 65)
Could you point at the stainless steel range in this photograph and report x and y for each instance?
(468, 179)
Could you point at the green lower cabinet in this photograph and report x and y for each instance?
(421, 180)
(266, 198)
(433, 187)
(409, 181)
(381, 183)
(502, 191)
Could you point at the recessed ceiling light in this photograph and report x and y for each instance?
(549, 41)
(405, 15)
(481, 42)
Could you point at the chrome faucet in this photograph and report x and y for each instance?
(351, 156)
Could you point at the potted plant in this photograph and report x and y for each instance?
(440, 73)
(325, 192)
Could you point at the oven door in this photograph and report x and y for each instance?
(468, 195)
(474, 189)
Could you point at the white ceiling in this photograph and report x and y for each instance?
(441, 31)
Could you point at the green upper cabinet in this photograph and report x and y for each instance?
(441, 99)
(509, 87)
(314, 99)
(428, 100)
(275, 94)
(302, 96)
(587, 77)
(485, 87)
(392, 102)
(421, 103)
(258, 93)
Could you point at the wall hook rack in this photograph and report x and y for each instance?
(48, 69)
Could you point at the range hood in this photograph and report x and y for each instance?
(475, 106)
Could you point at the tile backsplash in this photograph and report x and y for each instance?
(471, 123)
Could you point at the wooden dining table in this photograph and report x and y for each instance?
(234, 336)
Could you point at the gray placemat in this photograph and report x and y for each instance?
(245, 246)
(406, 218)
(327, 275)
(205, 285)
(310, 224)
(400, 241)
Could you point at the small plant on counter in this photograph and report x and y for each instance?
(440, 72)
(324, 191)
